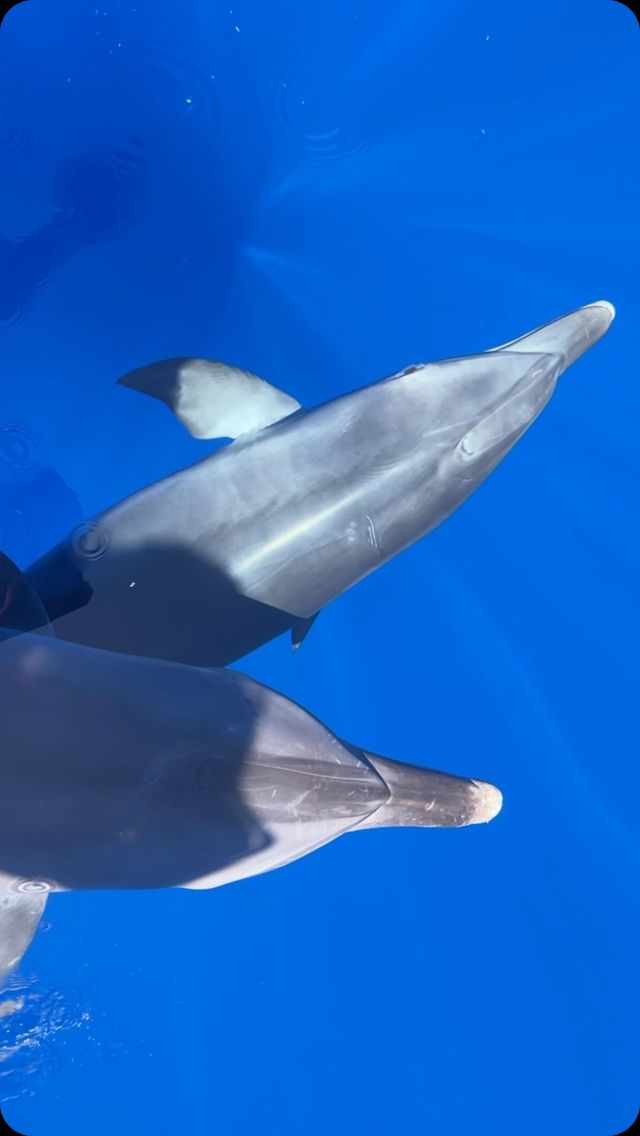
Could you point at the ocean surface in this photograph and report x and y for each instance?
(323, 193)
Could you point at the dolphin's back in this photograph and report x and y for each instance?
(126, 772)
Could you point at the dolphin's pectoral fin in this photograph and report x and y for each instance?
(20, 914)
(20, 606)
(212, 399)
(426, 798)
(301, 629)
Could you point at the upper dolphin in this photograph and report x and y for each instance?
(259, 536)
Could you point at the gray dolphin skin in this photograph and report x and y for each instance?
(258, 537)
(122, 772)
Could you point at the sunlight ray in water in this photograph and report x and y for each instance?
(524, 705)
(286, 274)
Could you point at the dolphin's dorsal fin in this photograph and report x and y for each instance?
(213, 400)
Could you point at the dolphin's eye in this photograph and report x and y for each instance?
(90, 541)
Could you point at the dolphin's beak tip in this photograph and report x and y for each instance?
(489, 803)
(607, 306)
(574, 334)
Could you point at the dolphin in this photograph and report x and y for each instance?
(123, 772)
(259, 536)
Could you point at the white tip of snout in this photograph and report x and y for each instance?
(569, 336)
(605, 304)
(489, 803)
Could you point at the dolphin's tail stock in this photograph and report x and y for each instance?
(425, 798)
(20, 911)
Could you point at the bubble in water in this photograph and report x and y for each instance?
(31, 1022)
(113, 1052)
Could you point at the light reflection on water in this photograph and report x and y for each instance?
(33, 1021)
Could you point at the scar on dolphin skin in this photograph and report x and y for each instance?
(91, 203)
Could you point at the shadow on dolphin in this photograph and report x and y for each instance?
(205, 616)
(302, 505)
(123, 772)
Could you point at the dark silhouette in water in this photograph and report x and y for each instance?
(36, 504)
(92, 201)
(43, 504)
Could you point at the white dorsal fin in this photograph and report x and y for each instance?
(212, 399)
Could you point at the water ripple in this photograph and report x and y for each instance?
(94, 198)
(14, 137)
(19, 452)
(168, 100)
(31, 1022)
(313, 109)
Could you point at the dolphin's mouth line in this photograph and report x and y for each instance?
(519, 390)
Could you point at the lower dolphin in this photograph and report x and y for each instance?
(122, 772)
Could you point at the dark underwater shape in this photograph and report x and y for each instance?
(122, 772)
(20, 607)
(261, 535)
(36, 504)
(92, 202)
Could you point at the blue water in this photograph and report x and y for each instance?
(324, 193)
